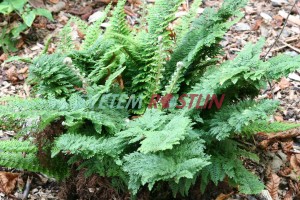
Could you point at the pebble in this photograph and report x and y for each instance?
(57, 7)
(97, 15)
(242, 27)
(279, 3)
(266, 17)
(276, 162)
(291, 53)
(35, 190)
(294, 77)
(285, 34)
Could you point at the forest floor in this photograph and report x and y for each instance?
(279, 167)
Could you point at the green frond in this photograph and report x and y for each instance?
(226, 163)
(87, 146)
(232, 119)
(75, 111)
(51, 75)
(17, 146)
(185, 22)
(69, 31)
(152, 136)
(93, 31)
(246, 70)
(30, 162)
(118, 22)
(281, 66)
(201, 43)
(267, 127)
(170, 165)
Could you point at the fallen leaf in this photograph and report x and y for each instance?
(8, 182)
(185, 7)
(285, 172)
(277, 20)
(273, 137)
(3, 57)
(57, 7)
(283, 83)
(257, 24)
(272, 185)
(129, 12)
(54, 1)
(23, 70)
(135, 3)
(20, 43)
(11, 74)
(224, 196)
(278, 118)
(295, 163)
(81, 11)
(37, 3)
(287, 146)
(289, 195)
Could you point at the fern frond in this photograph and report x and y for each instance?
(281, 66)
(246, 70)
(201, 43)
(170, 165)
(156, 138)
(118, 22)
(30, 162)
(75, 111)
(155, 49)
(87, 146)
(226, 162)
(267, 127)
(93, 31)
(232, 119)
(17, 146)
(186, 21)
(53, 76)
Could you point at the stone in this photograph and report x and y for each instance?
(294, 77)
(95, 16)
(242, 27)
(266, 17)
(291, 53)
(279, 3)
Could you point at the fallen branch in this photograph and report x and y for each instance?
(287, 40)
(27, 188)
(292, 47)
(287, 16)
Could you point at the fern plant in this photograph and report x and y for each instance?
(170, 146)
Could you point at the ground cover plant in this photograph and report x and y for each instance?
(66, 128)
(9, 34)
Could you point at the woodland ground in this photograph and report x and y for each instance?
(280, 155)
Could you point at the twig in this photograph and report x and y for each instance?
(288, 45)
(292, 39)
(187, 4)
(279, 48)
(278, 36)
(27, 188)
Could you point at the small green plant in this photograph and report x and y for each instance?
(11, 32)
(70, 129)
